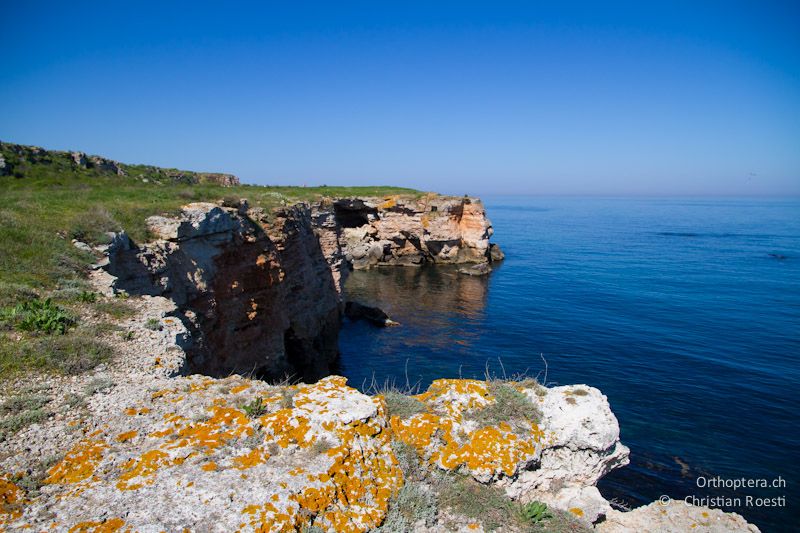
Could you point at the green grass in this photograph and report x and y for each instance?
(69, 354)
(510, 405)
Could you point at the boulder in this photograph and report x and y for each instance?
(357, 311)
(495, 253)
(481, 269)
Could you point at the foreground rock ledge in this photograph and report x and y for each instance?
(160, 453)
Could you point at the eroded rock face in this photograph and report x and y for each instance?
(260, 298)
(408, 231)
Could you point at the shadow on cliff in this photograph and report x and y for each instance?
(259, 301)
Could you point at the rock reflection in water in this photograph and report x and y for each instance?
(439, 311)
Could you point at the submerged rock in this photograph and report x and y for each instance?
(481, 269)
(495, 253)
(357, 311)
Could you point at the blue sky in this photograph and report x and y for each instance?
(478, 98)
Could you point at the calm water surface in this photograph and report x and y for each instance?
(674, 308)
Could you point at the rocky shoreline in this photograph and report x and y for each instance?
(164, 438)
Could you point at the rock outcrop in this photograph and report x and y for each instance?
(261, 292)
(259, 298)
(413, 231)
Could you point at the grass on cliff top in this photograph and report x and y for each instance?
(46, 203)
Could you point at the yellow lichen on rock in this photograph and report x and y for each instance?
(79, 463)
(449, 440)
(11, 500)
(106, 526)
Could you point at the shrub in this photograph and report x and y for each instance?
(97, 385)
(116, 308)
(38, 315)
(153, 324)
(23, 402)
(487, 504)
(413, 503)
(92, 225)
(13, 293)
(409, 462)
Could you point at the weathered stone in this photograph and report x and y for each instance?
(481, 269)
(674, 517)
(410, 231)
(495, 253)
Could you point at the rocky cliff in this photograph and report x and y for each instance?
(261, 292)
(412, 231)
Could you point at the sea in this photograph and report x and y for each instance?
(685, 312)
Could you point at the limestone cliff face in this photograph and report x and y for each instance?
(260, 298)
(412, 231)
(262, 294)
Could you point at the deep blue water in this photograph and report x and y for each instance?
(674, 308)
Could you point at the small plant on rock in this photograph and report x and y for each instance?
(255, 408)
(153, 324)
(534, 512)
(38, 315)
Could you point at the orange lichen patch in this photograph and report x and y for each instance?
(577, 511)
(286, 427)
(201, 385)
(254, 457)
(144, 467)
(225, 424)
(473, 525)
(388, 202)
(11, 500)
(79, 463)
(455, 396)
(419, 430)
(239, 388)
(133, 411)
(161, 434)
(159, 394)
(106, 526)
(268, 518)
(261, 260)
(210, 466)
(128, 435)
(494, 449)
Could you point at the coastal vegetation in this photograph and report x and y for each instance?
(51, 202)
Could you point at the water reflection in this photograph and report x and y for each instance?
(441, 314)
(419, 295)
